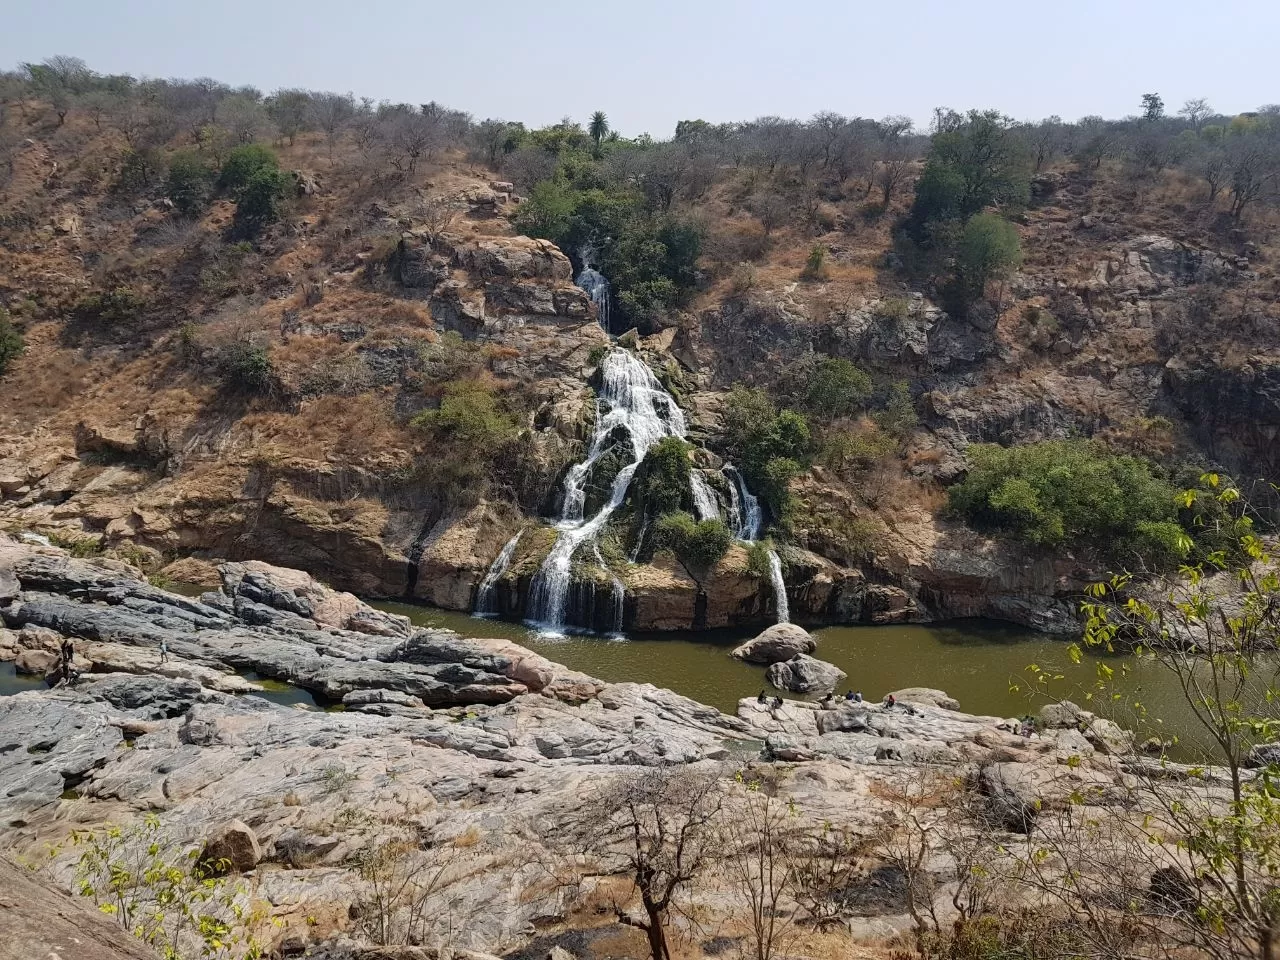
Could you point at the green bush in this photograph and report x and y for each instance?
(189, 182)
(243, 163)
(469, 418)
(1072, 493)
(246, 368)
(698, 544)
(849, 450)
(833, 387)
(11, 343)
(988, 250)
(661, 483)
(114, 306)
(769, 446)
(898, 416)
(260, 202)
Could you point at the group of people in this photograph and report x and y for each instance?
(68, 674)
(851, 696)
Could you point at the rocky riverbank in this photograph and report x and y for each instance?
(481, 743)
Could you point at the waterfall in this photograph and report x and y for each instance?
(746, 519)
(597, 287)
(644, 532)
(619, 596)
(633, 401)
(779, 587)
(744, 507)
(705, 504)
(484, 594)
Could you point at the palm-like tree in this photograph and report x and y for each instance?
(598, 128)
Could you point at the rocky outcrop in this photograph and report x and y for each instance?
(233, 847)
(40, 922)
(805, 674)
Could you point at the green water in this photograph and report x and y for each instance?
(982, 664)
(12, 682)
(278, 691)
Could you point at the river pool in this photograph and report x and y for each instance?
(983, 664)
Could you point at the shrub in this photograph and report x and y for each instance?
(698, 544)
(769, 446)
(470, 418)
(662, 480)
(243, 163)
(1071, 492)
(260, 202)
(246, 368)
(11, 343)
(815, 265)
(856, 448)
(988, 249)
(832, 387)
(898, 417)
(114, 306)
(189, 182)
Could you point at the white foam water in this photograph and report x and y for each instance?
(484, 606)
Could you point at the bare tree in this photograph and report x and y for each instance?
(331, 112)
(771, 209)
(659, 828)
(760, 844)
(1254, 162)
(436, 215)
(1197, 112)
(829, 864)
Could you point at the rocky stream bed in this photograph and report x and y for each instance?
(482, 741)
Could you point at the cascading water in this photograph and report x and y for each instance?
(484, 593)
(631, 400)
(747, 521)
(747, 518)
(705, 503)
(779, 587)
(597, 287)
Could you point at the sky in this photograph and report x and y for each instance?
(650, 63)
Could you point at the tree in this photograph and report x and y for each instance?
(762, 842)
(331, 112)
(291, 110)
(189, 182)
(598, 129)
(1212, 628)
(1152, 107)
(58, 79)
(1254, 162)
(988, 250)
(1197, 112)
(659, 828)
(1068, 492)
(11, 343)
(242, 163)
(972, 165)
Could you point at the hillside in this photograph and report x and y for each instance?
(379, 379)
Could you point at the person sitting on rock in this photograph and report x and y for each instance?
(777, 702)
(762, 698)
(826, 701)
(857, 697)
(890, 702)
(848, 695)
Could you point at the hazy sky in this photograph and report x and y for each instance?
(652, 62)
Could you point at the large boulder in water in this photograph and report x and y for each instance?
(805, 674)
(777, 643)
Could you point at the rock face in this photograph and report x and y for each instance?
(805, 674)
(277, 622)
(782, 641)
(41, 922)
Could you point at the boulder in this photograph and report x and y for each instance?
(1059, 716)
(805, 674)
(1109, 737)
(927, 696)
(1011, 800)
(1263, 754)
(777, 643)
(233, 848)
(848, 717)
(35, 662)
(8, 586)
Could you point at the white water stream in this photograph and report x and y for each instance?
(632, 401)
(484, 606)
